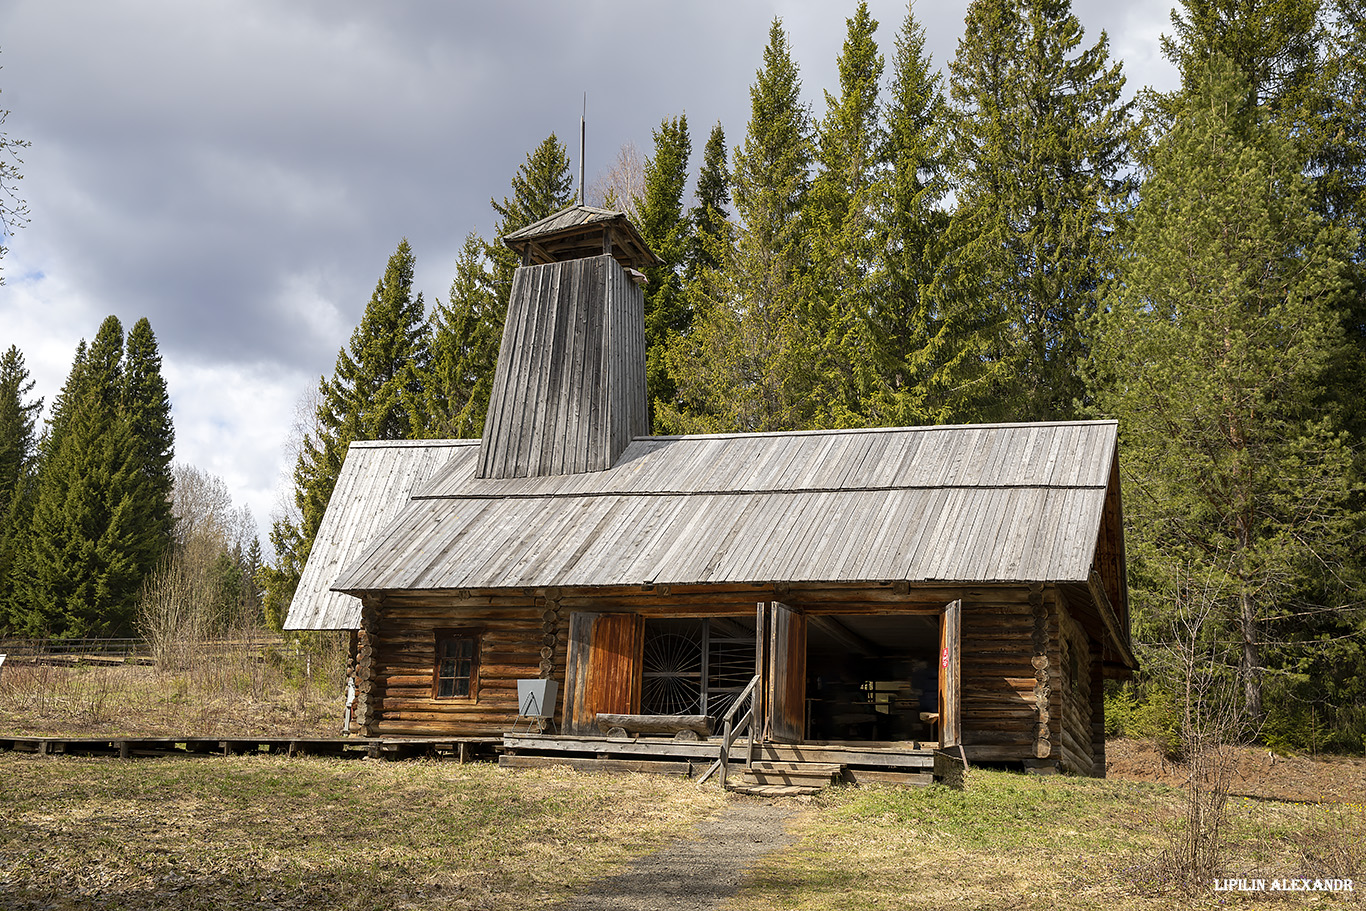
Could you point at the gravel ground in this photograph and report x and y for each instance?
(696, 873)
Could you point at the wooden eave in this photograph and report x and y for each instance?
(1104, 599)
(579, 232)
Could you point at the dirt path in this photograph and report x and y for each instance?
(695, 873)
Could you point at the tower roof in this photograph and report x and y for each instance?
(582, 231)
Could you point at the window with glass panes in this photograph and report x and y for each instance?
(457, 665)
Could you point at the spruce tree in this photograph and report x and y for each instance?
(467, 330)
(665, 228)
(80, 571)
(1040, 142)
(542, 186)
(1302, 71)
(18, 418)
(710, 239)
(920, 363)
(1337, 166)
(18, 454)
(771, 174)
(1272, 43)
(746, 365)
(468, 327)
(147, 408)
(1211, 350)
(1304, 65)
(841, 213)
(375, 393)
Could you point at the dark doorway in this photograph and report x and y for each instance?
(869, 677)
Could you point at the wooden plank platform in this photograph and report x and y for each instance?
(778, 765)
(593, 764)
(461, 748)
(891, 756)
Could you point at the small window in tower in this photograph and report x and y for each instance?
(457, 665)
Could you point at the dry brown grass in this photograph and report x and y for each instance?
(267, 832)
(221, 832)
(225, 688)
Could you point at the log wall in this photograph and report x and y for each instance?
(1012, 690)
(1077, 747)
(1077, 605)
(1010, 693)
(398, 653)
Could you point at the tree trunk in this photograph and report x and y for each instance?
(1252, 658)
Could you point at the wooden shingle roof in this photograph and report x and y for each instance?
(980, 503)
(374, 484)
(579, 231)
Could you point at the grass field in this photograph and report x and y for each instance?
(264, 832)
(216, 690)
(1014, 841)
(268, 832)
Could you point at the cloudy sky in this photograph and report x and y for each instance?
(239, 172)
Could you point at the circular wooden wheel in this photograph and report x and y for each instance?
(672, 676)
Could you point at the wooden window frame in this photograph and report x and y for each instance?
(475, 636)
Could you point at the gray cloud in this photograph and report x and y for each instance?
(239, 172)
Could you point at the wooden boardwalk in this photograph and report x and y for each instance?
(853, 763)
(459, 748)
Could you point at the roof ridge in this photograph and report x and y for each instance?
(1018, 425)
(744, 491)
(409, 444)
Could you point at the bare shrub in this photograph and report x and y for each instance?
(175, 613)
(1203, 665)
(621, 186)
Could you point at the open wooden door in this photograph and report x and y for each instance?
(950, 661)
(603, 668)
(785, 686)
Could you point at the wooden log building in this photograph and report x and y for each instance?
(953, 585)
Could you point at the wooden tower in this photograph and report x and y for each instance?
(569, 390)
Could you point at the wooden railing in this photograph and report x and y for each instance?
(730, 731)
(109, 651)
(41, 648)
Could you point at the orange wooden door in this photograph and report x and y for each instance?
(603, 668)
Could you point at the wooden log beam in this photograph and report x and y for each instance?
(1118, 638)
(656, 724)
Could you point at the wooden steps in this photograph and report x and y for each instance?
(780, 779)
(818, 775)
(776, 790)
(776, 778)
